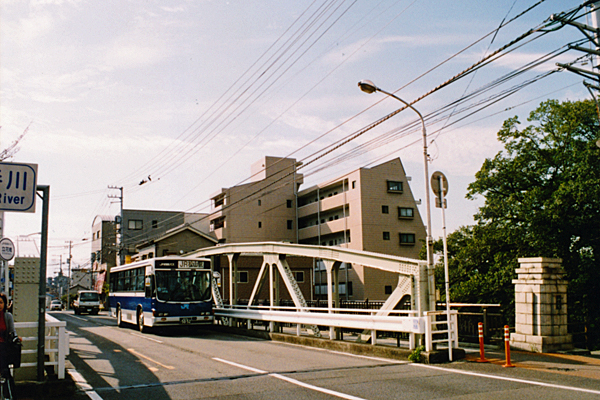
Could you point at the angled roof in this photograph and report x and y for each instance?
(175, 231)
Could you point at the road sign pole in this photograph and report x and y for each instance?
(42, 286)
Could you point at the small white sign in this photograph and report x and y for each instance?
(7, 249)
(18, 184)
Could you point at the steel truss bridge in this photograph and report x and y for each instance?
(424, 326)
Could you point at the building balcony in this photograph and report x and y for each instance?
(309, 209)
(327, 228)
(328, 203)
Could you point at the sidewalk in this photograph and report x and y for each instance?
(568, 364)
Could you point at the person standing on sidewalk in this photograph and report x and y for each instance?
(7, 334)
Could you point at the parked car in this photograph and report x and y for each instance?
(86, 301)
(56, 305)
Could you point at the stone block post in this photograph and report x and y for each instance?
(540, 306)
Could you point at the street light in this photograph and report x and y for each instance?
(369, 87)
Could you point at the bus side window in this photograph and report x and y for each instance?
(149, 286)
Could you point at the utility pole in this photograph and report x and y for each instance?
(69, 277)
(593, 34)
(119, 229)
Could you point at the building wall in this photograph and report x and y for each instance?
(142, 225)
(361, 205)
(263, 210)
(181, 243)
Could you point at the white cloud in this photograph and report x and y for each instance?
(134, 53)
(34, 27)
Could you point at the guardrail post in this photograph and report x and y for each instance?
(481, 348)
(60, 368)
(428, 335)
(507, 346)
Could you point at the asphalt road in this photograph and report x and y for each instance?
(125, 364)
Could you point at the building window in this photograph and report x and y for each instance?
(154, 224)
(135, 224)
(406, 212)
(385, 209)
(242, 277)
(219, 200)
(290, 224)
(407, 238)
(394, 186)
(386, 236)
(289, 204)
(259, 202)
(299, 276)
(388, 289)
(217, 223)
(353, 184)
(259, 224)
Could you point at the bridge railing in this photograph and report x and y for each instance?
(359, 319)
(56, 344)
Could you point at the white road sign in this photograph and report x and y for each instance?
(7, 249)
(18, 184)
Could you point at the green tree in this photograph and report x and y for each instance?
(542, 198)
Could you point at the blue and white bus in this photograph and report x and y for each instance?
(162, 292)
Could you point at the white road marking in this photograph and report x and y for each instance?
(247, 368)
(147, 338)
(290, 380)
(83, 385)
(132, 351)
(316, 388)
(505, 378)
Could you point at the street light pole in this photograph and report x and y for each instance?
(369, 87)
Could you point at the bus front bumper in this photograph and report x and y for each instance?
(191, 320)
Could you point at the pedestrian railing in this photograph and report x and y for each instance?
(439, 330)
(56, 344)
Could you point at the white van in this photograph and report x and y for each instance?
(86, 301)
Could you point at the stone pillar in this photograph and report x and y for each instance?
(25, 309)
(540, 306)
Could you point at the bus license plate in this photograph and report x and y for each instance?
(185, 320)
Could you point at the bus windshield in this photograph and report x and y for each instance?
(183, 285)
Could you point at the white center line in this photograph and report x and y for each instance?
(290, 380)
(505, 378)
(258, 371)
(316, 388)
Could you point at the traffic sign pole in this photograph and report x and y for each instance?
(439, 184)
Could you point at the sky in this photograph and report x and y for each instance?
(174, 100)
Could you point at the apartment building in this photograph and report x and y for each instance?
(370, 209)
(263, 209)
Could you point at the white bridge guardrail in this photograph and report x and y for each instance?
(56, 344)
(400, 321)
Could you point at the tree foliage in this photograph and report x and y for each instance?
(542, 199)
